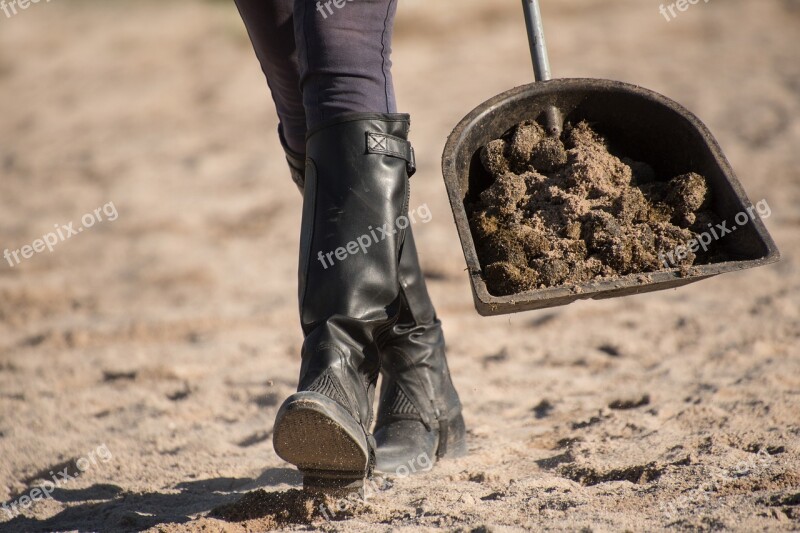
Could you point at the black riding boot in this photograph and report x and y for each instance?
(296, 162)
(419, 417)
(419, 413)
(356, 191)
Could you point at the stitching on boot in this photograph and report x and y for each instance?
(430, 397)
(311, 172)
(379, 143)
(326, 385)
(401, 405)
(343, 399)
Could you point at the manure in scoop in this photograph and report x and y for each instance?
(565, 210)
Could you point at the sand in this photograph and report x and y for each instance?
(171, 335)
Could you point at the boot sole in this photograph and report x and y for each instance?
(323, 440)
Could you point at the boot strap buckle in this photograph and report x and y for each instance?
(383, 143)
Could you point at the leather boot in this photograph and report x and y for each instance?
(420, 413)
(356, 189)
(296, 162)
(419, 416)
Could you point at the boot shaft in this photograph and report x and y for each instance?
(354, 218)
(355, 206)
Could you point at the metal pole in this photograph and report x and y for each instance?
(538, 46)
(541, 63)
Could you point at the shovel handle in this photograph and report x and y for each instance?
(541, 62)
(536, 42)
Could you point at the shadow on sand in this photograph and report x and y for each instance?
(109, 508)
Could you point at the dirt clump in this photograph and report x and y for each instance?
(280, 508)
(564, 210)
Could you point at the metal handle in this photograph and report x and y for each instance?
(538, 46)
(541, 63)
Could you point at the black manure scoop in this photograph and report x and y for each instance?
(640, 123)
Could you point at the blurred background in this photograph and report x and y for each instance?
(169, 334)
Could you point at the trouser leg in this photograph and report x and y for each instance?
(344, 57)
(270, 25)
(321, 61)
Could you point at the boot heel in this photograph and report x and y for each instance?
(316, 434)
(455, 443)
(332, 483)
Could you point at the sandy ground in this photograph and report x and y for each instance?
(148, 354)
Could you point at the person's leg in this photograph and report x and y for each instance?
(270, 25)
(345, 67)
(358, 160)
(345, 57)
